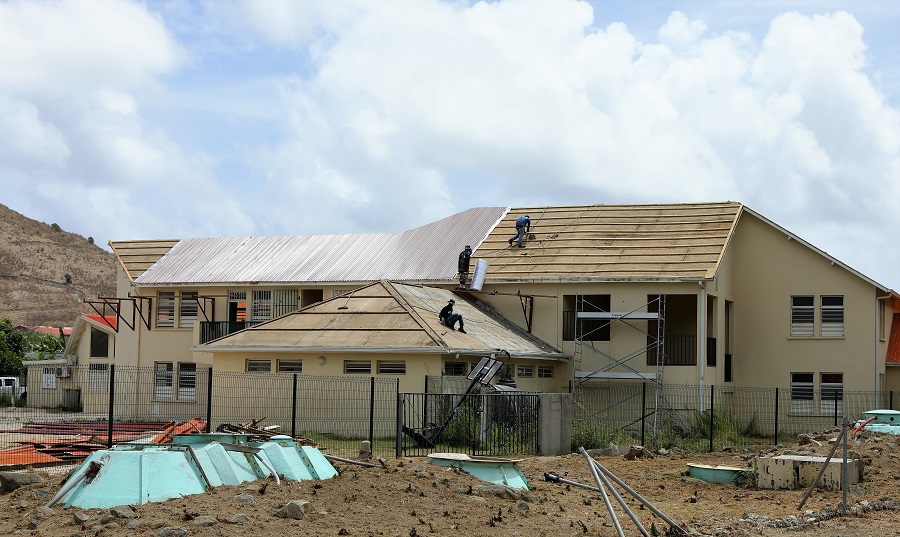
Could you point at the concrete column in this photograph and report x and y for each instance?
(555, 424)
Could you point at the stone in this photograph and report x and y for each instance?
(43, 512)
(501, 491)
(365, 450)
(10, 481)
(172, 531)
(80, 518)
(205, 521)
(239, 518)
(295, 509)
(478, 499)
(41, 494)
(245, 498)
(133, 525)
(122, 511)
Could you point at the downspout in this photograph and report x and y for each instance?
(701, 347)
(877, 326)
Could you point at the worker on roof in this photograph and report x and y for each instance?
(449, 318)
(523, 226)
(464, 258)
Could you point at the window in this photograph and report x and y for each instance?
(358, 367)
(545, 372)
(187, 381)
(456, 369)
(261, 308)
(392, 367)
(285, 301)
(98, 378)
(165, 309)
(832, 393)
(164, 374)
(339, 292)
(802, 393)
(48, 378)
(99, 343)
(881, 320)
(259, 366)
(832, 316)
(290, 366)
(803, 316)
(187, 314)
(237, 306)
(525, 371)
(585, 329)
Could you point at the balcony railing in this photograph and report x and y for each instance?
(210, 330)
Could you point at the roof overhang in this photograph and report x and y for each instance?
(555, 357)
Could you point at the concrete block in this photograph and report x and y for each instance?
(799, 471)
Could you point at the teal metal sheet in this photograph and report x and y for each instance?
(134, 474)
(493, 470)
(728, 475)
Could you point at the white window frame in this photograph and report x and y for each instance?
(803, 316)
(827, 391)
(290, 366)
(831, 318)
(48, 378)
(163, 381)
(456, 369)
(165, 309)
(259, 366)
(545, 371)
(98, 378)
(803, 392)
(188, 309)
(339, 292)
(261, 305)
(357, 367)
(525, 371)
(187, 381)
(96, 332)
(391, 367)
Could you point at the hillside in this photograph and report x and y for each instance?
(34, 260)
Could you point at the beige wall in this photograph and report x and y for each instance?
(770, 268)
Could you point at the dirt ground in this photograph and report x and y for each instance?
(410, 497)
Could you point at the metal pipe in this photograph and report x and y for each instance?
(350, 461)
(67, 487)
(822, 469)
(609, 506)
(844, 468)
(269, 468)
(701, 347)
(619, 499)
(641, 499)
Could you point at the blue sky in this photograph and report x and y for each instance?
(170, 119)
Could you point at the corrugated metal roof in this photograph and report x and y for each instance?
(137, 256)
(612, 242)
(385, 316)
(426, 253)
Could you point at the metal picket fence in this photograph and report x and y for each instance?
(707, 418)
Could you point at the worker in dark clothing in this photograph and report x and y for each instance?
(449, 318)
(464, 257)
(523, 226)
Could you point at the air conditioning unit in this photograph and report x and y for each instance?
(63, 372)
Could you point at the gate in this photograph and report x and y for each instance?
(495, 424)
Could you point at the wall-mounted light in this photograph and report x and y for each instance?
(322, 360)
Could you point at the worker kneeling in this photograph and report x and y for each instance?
(449, 318)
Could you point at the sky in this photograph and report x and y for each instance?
(124, 120)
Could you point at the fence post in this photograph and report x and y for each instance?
(643, 411)
(294, 408)
(112, 398)
(398, 442)
(209, 388)
(776, 416)
(835, 407)
(891, 397)
(371, 412)
(712, 412)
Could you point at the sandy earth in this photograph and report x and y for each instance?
(410, 497)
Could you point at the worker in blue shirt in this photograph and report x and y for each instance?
(523, 226)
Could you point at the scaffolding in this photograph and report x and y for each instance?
(655, 344)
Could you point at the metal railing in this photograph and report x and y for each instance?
(210, 330)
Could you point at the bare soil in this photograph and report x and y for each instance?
(409, 497)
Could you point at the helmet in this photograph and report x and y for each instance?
(451, 301)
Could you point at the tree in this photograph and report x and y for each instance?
(12, 349)
(68, 279)
(90, 240)
(55, 227)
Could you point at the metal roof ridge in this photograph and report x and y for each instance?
(389, 286)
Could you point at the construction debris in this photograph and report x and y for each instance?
(255, 433)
